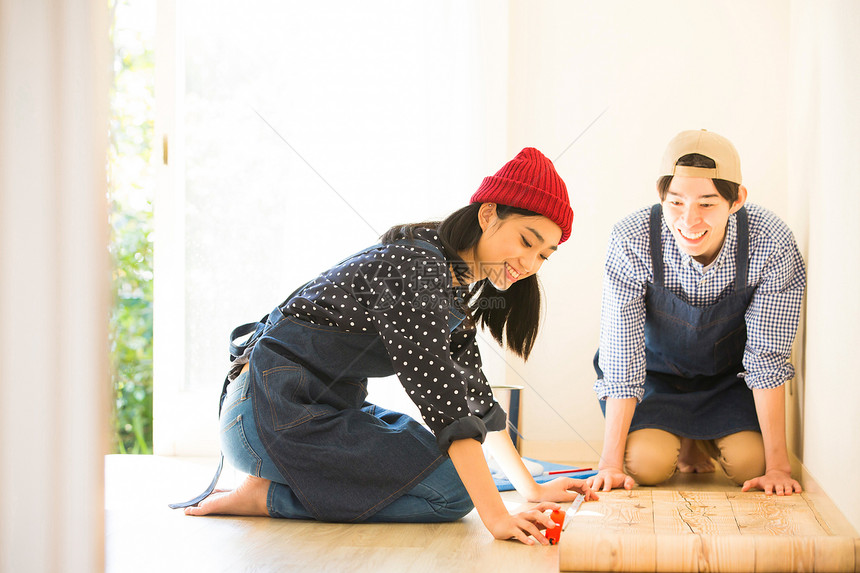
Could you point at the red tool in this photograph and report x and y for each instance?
(561, 519)
(553, 534)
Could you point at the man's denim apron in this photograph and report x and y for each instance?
(343, 458)
(694, 355)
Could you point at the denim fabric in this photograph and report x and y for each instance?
(440, 497)
(340, 458)
(343, 458)
(240, 442)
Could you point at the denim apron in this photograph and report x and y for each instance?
(694, 355)
(343, 458)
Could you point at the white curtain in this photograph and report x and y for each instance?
(54, 279)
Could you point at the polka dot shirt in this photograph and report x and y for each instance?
(404, 293)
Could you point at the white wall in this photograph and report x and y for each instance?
(656, 68)
(780, 80)
(824, 196)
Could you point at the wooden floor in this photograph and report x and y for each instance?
(143, 534)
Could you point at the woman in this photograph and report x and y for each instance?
(295, 418)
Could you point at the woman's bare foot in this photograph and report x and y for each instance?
(247, 499)
(691, 459)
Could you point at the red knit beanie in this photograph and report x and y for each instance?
(529, 181)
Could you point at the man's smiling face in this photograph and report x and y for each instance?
(697, 215)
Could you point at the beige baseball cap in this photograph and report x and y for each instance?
(705, 143)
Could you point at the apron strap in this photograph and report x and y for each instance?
(206, 493)
(742, 259)
(237, 349)
(656, 233)
(214, 481)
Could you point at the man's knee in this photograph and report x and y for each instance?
(742, 456)
(651, 455)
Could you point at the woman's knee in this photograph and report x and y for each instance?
(651, 455)
(741, 456)
(443, 496)
(456, 505)
(450, 500)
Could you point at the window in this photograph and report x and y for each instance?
(295, 134)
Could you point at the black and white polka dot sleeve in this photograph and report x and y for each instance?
(441, 372)
(464, 351)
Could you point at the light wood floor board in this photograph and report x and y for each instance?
(648, 529)
(143, 534)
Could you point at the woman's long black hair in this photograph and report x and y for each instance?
(513, 314)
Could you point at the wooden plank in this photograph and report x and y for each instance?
(760, 514)
(784, 554)
(619, 512)
(726, 553)
(677, 553)
(661, 530)
(857, 556)
(835, 553)
(607, 551)
(604, 551)
(705, 513)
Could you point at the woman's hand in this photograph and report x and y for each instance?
(563, 489)
(525, 526)
(774, 481)
(608, 478)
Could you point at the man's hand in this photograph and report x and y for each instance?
(774, 482)
(608, 478)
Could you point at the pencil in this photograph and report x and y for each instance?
(568, 471)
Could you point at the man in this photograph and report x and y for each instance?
(701, 300)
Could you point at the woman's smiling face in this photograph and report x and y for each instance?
(511, 248)
(697, 215)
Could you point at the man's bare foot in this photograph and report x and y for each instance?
(691, 459)
(247, 499)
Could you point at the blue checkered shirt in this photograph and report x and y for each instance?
(776, 269)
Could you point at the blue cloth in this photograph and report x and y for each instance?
(439, 497)
(504, 484)
(776, 271)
